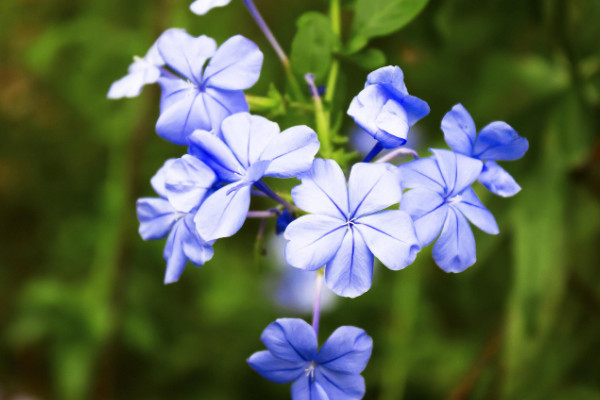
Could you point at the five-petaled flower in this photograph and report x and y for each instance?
(497, 141)
(347, 226)
(333, 372)
(384, 109)
(441, 199)
(183, 184)
(251, 147)
(201, 98)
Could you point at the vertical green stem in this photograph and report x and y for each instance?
(320, 117)
(336, 27)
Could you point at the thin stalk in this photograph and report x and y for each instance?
(269, 192)
(336, 27)
(374, 151)
(398, 152)
(285, 61)
(261, 214)
(320, 117)
(317, 303)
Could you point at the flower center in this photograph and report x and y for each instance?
(310, 371)
(454, 200)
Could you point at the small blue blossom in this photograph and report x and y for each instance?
(441, 200)
(252, 147)
(182, 184)
(203, 97)
(142, 71)
(330, 373)
(347, 226)
(384, 109)
(497, 141)
(201, 7)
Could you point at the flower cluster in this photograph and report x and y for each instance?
(333, 225)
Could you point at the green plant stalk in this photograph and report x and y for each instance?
(294, 85)
(336, 27)
(321, 119)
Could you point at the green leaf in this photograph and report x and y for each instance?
(381, 17)
(369, 59)
(313, 45)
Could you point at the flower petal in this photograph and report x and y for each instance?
(340, 386)
(131, 84)
(247, 136)
(454, 250)
(156, 217)
(323, 190)
(195, 248)
(313, 240)
(223, 213)
(458, 171)
(497, 180)
(290, 339)
(304, 388)
(472, 208)
(365, 107)
(236, 65)
(391, 78)
(174, 254)
(350, 272)
(187, 180)
(459, 130)
(428, 211)
(179, 119)
(392, 119)
(372, 187)
(499, 141)
(422, 173)
(291, 152)
(186, 54)
(347, 350)
(201, 7)
(391, 237)
(415, 108)
(275, 369)
(217, 155)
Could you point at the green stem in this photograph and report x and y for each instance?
(294, 85)
(336, 27)
(321, 118)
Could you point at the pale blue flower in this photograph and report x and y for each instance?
(384, 109)
(183, 184)
(441, 200)
(497, 141)
(333, 372)
(203, 97)
(142, 71)
(251, 147)
(347, 225)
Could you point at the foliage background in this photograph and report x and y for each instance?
(83, 312)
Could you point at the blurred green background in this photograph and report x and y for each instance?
(84, 313)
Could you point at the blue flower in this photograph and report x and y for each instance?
(384, 109)
(252, 147)
(142, 71)
(330, 373)
(497, 141)
(441, 200)
(182, 184)
(205, 96)
(201, 7)
(347, 226)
